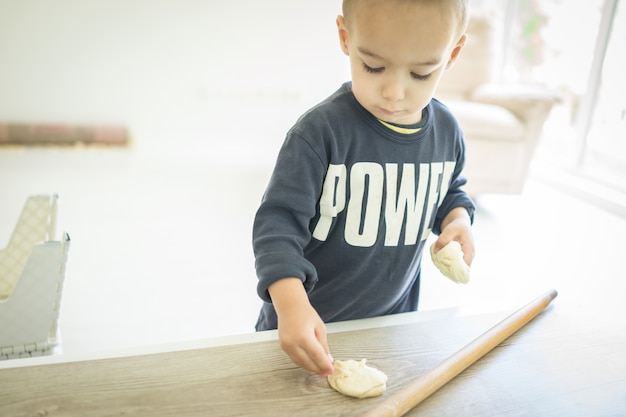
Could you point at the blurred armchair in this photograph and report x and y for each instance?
(502, 121)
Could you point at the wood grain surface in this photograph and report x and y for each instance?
(551, 367)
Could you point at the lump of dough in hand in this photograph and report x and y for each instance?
(355, 379)
(450, 262)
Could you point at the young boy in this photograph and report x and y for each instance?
(363, 178)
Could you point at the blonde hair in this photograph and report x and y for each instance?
(459, 7)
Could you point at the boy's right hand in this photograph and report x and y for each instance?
(301, 331)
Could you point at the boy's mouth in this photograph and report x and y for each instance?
(390, 112)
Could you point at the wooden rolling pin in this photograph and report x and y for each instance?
(418, 390)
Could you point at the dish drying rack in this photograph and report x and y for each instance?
(32, 271)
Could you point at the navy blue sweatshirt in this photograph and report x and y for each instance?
(350, 205)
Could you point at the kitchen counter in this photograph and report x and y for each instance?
(565, 362)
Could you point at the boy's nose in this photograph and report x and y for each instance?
(393, 90)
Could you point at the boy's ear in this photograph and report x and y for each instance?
(343, 34)
(456, 51)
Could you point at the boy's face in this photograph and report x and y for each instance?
(398, 52)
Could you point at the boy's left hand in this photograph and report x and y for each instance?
(457, 226)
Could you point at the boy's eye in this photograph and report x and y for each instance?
(373, 70)
(379, 70)
(420, 77)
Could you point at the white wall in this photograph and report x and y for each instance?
(140, 61)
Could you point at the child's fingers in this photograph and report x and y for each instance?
(327, 360)
(312, 358)
(441, 242)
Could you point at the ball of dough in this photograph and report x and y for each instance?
(450, 262)
(356, 379)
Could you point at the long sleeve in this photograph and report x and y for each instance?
(281, 227)
(455, 196)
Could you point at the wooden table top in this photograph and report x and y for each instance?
(560, 364)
